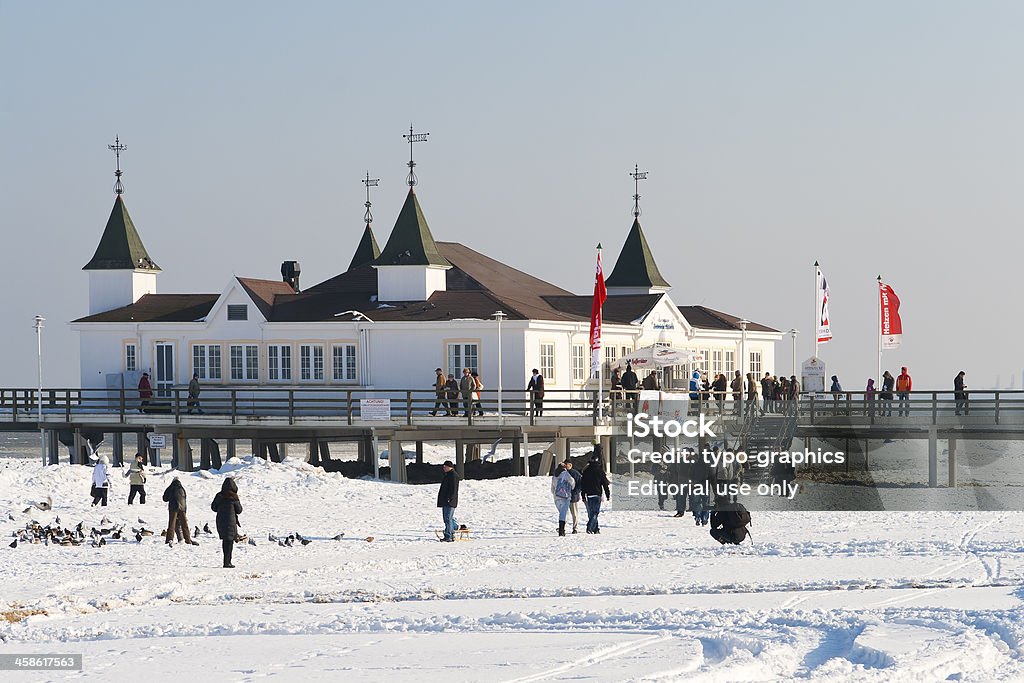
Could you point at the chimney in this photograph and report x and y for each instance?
(290, 273)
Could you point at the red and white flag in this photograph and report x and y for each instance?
(890, 326)
(824, 331)
(600, 294)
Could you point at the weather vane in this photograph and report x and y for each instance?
(411, 138)
(117, 148)
(369, 182)
(637, 175)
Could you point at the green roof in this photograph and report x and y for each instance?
(635, 266)
(120, 246)
(411, 243)
(367, 251)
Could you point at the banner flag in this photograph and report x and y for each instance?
(890, 326)
(600, 294)
(824, 331)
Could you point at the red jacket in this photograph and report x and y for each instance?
(145, 390)
(904, 383)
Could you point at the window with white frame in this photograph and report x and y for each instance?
(206, 361)
(462, 356)
(579, 363)
(730, 363)
(547, 361)
(755, 363)
(131, 358)
(279, 362)
(245, 362)
(311, 363)
(625, 351)
(717, 362)
(343, 362)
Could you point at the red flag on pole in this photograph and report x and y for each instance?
(890, 326)
(600, 294)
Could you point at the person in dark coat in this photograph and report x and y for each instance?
(451, 390)
(886, 394)
(593, 481)
(145, 392)
(729, 523)
(631, 388)
(227, 507)
(448, 500)
(701, 474)
(177, 522)
(536, 388)
(960, 392)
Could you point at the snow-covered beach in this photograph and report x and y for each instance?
(819, 596)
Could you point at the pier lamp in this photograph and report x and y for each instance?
(499, 315)
(39, 397)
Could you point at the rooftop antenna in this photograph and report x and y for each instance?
(369, 182)
(117, 148)
(637, 175)
(411, 138)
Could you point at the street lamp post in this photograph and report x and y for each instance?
(499, 316)
(794, 332)
(39, 396)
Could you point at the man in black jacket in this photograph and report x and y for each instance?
(631, 388)
(729, 523)
(536, 389)
(177, 522)
(594, 480)
(448, 500)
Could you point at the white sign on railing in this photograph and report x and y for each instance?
(375, 408)
(158, 441)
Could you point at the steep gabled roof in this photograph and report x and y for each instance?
(635, 266)
(410, 242)
(616, 309)
(706, 318)
(158, 308)
(120, 247)
(264, 292)
(367, 251)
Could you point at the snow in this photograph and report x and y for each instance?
(870, 596)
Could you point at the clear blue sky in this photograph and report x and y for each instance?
(875, 137)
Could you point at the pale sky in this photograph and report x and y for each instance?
(876, 137)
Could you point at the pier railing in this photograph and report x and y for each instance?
(352, 404)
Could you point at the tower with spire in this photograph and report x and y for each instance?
(410, 267)
(120, 271)
(635, 271)
(367, 251)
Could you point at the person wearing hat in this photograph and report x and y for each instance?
(145, 392)
(193, 395)
(448, 500)
(440, 402)
(593, 481)
(137, 480)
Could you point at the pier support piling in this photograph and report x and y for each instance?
(952, 462)
(933, 457)
(117, 439)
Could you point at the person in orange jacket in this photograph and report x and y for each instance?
(904, 385)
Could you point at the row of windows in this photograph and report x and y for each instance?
(244, 362)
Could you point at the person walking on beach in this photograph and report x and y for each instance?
(145, 392)
(100, 481)
(193, 395)
(439, 392)
(448, 500)
(574, 502)
(562, 485)
(227, 507)
(137, 479)
(960, 392)
(904, 385)
(593, 481)
(536, 388)
(177, 522)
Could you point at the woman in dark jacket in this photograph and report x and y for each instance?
(227, 507)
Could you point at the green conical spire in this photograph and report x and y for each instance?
(367, 251)
(120, 246)
(411, 243)
(635, 266)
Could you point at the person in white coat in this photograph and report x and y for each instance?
(100, 481)
(562, 484)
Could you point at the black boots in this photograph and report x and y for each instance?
(561, 528)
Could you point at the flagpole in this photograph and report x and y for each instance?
(817, 313)
(878, 295)
(600, 364)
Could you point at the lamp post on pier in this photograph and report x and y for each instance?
(499, 316)
(39, 396)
